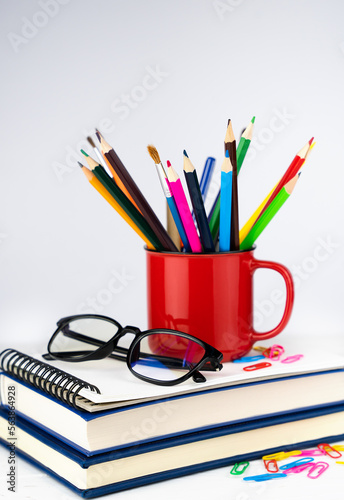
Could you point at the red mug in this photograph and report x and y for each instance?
(210, 296)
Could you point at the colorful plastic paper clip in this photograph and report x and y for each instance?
(338, 447)
(248, 359)
(312, 453)
(271, 466)
(258, 366)
(331, 452)
(281, 455)
(296, 463)
(292, 359)
(322, 466)
(264, 477)
(274, 352)
(239, 468)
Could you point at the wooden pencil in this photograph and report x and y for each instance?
(226, 204)
(123, 201)
(244, 143)
(230, 146)
(269, 213)
(183, 209)
(291, 171)
(111, 200)
(137, 196)
(197, 204)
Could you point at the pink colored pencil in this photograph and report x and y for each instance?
(183, 209)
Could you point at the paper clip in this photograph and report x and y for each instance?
(340, 463)
(259, 348)
(292, 359)
(281, 455)
(264, 477)
(331, 452)
(248, 359)
(258, 366)
(271, 466)
(318, 465)
(338, 447)
(239, 468)
(312, 453)
(274, 352)
(297, 463)
(299, 468)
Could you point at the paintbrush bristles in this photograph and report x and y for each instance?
(154, 154)
(90, 140)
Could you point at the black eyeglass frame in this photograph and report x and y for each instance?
(211, 360)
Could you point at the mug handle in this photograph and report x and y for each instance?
(286, 275)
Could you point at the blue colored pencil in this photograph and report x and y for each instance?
(226, 204)
(206, 176)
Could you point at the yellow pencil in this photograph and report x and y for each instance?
(249, 224)
(105, 194)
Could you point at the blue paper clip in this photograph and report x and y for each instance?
(248, 359)
(239, 468)
(301, 461)
(264, 477)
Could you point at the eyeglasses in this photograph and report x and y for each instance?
(159, 356)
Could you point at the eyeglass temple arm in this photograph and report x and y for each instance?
(168, 361)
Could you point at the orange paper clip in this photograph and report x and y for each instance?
(271, 465)
(331, 452)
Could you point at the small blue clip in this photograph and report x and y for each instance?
(248, 359)
(301, 461)
(264, 477)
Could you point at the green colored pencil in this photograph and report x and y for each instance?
(269, 213)
(123, 201)
(244, 143)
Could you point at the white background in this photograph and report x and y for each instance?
(62, 246)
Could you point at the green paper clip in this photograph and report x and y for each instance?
(239, 468)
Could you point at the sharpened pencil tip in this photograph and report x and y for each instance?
(253, 119)
(168, 163)
(80, 165)
(185, 153)
(84, 152)
(311, 140)
(98, 135)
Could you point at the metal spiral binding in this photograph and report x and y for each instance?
(53, 381)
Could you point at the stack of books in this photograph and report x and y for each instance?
(133, 433)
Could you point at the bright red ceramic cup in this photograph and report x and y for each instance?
(210, 296)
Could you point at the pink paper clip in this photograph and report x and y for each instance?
(331, 452)
(322, 466)
(274, 352)
(299, 468)
(292, 359)
(271, 466)
(312, 453)
(257, 366)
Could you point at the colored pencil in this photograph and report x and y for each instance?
(153, 152)
(230, 146)
(98, 154)
(183, 209)
(116, 177)
(197, 204)
(136, 194)
(206, 176)
(226, 204)
(245, 141)
(291, 171)
(107, 196)
(249, 224)
(269, 213)
(135, 216)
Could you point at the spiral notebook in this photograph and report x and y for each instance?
(103, 384)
